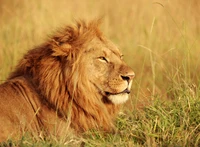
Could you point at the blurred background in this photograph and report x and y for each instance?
(160, 39)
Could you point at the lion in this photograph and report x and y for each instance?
(76, 80)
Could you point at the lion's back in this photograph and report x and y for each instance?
(15, 110)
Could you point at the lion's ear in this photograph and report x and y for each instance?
(61, 50)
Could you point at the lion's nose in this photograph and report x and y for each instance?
(128, 77)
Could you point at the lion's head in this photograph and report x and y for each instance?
(102, 66)
(81, 73)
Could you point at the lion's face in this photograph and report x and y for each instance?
(107, 71)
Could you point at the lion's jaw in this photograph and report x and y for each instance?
(118, 98)
(121, 97)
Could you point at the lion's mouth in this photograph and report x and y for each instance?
(114, 98)
(126, 91)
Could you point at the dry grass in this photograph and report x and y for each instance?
(160, 39)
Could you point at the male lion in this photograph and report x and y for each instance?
(77, 79)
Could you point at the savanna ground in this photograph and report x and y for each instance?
(160, 40)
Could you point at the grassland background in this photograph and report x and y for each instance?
(160, 40)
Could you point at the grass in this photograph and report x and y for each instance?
(160, 41)
(173, 123)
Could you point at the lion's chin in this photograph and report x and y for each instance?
(118, 98)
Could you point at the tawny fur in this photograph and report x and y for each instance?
(49, 90)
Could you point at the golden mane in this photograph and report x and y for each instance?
(55, 71)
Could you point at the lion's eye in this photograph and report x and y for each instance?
(103, 59)
(121, 56)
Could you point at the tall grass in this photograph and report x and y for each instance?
(160, 41)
